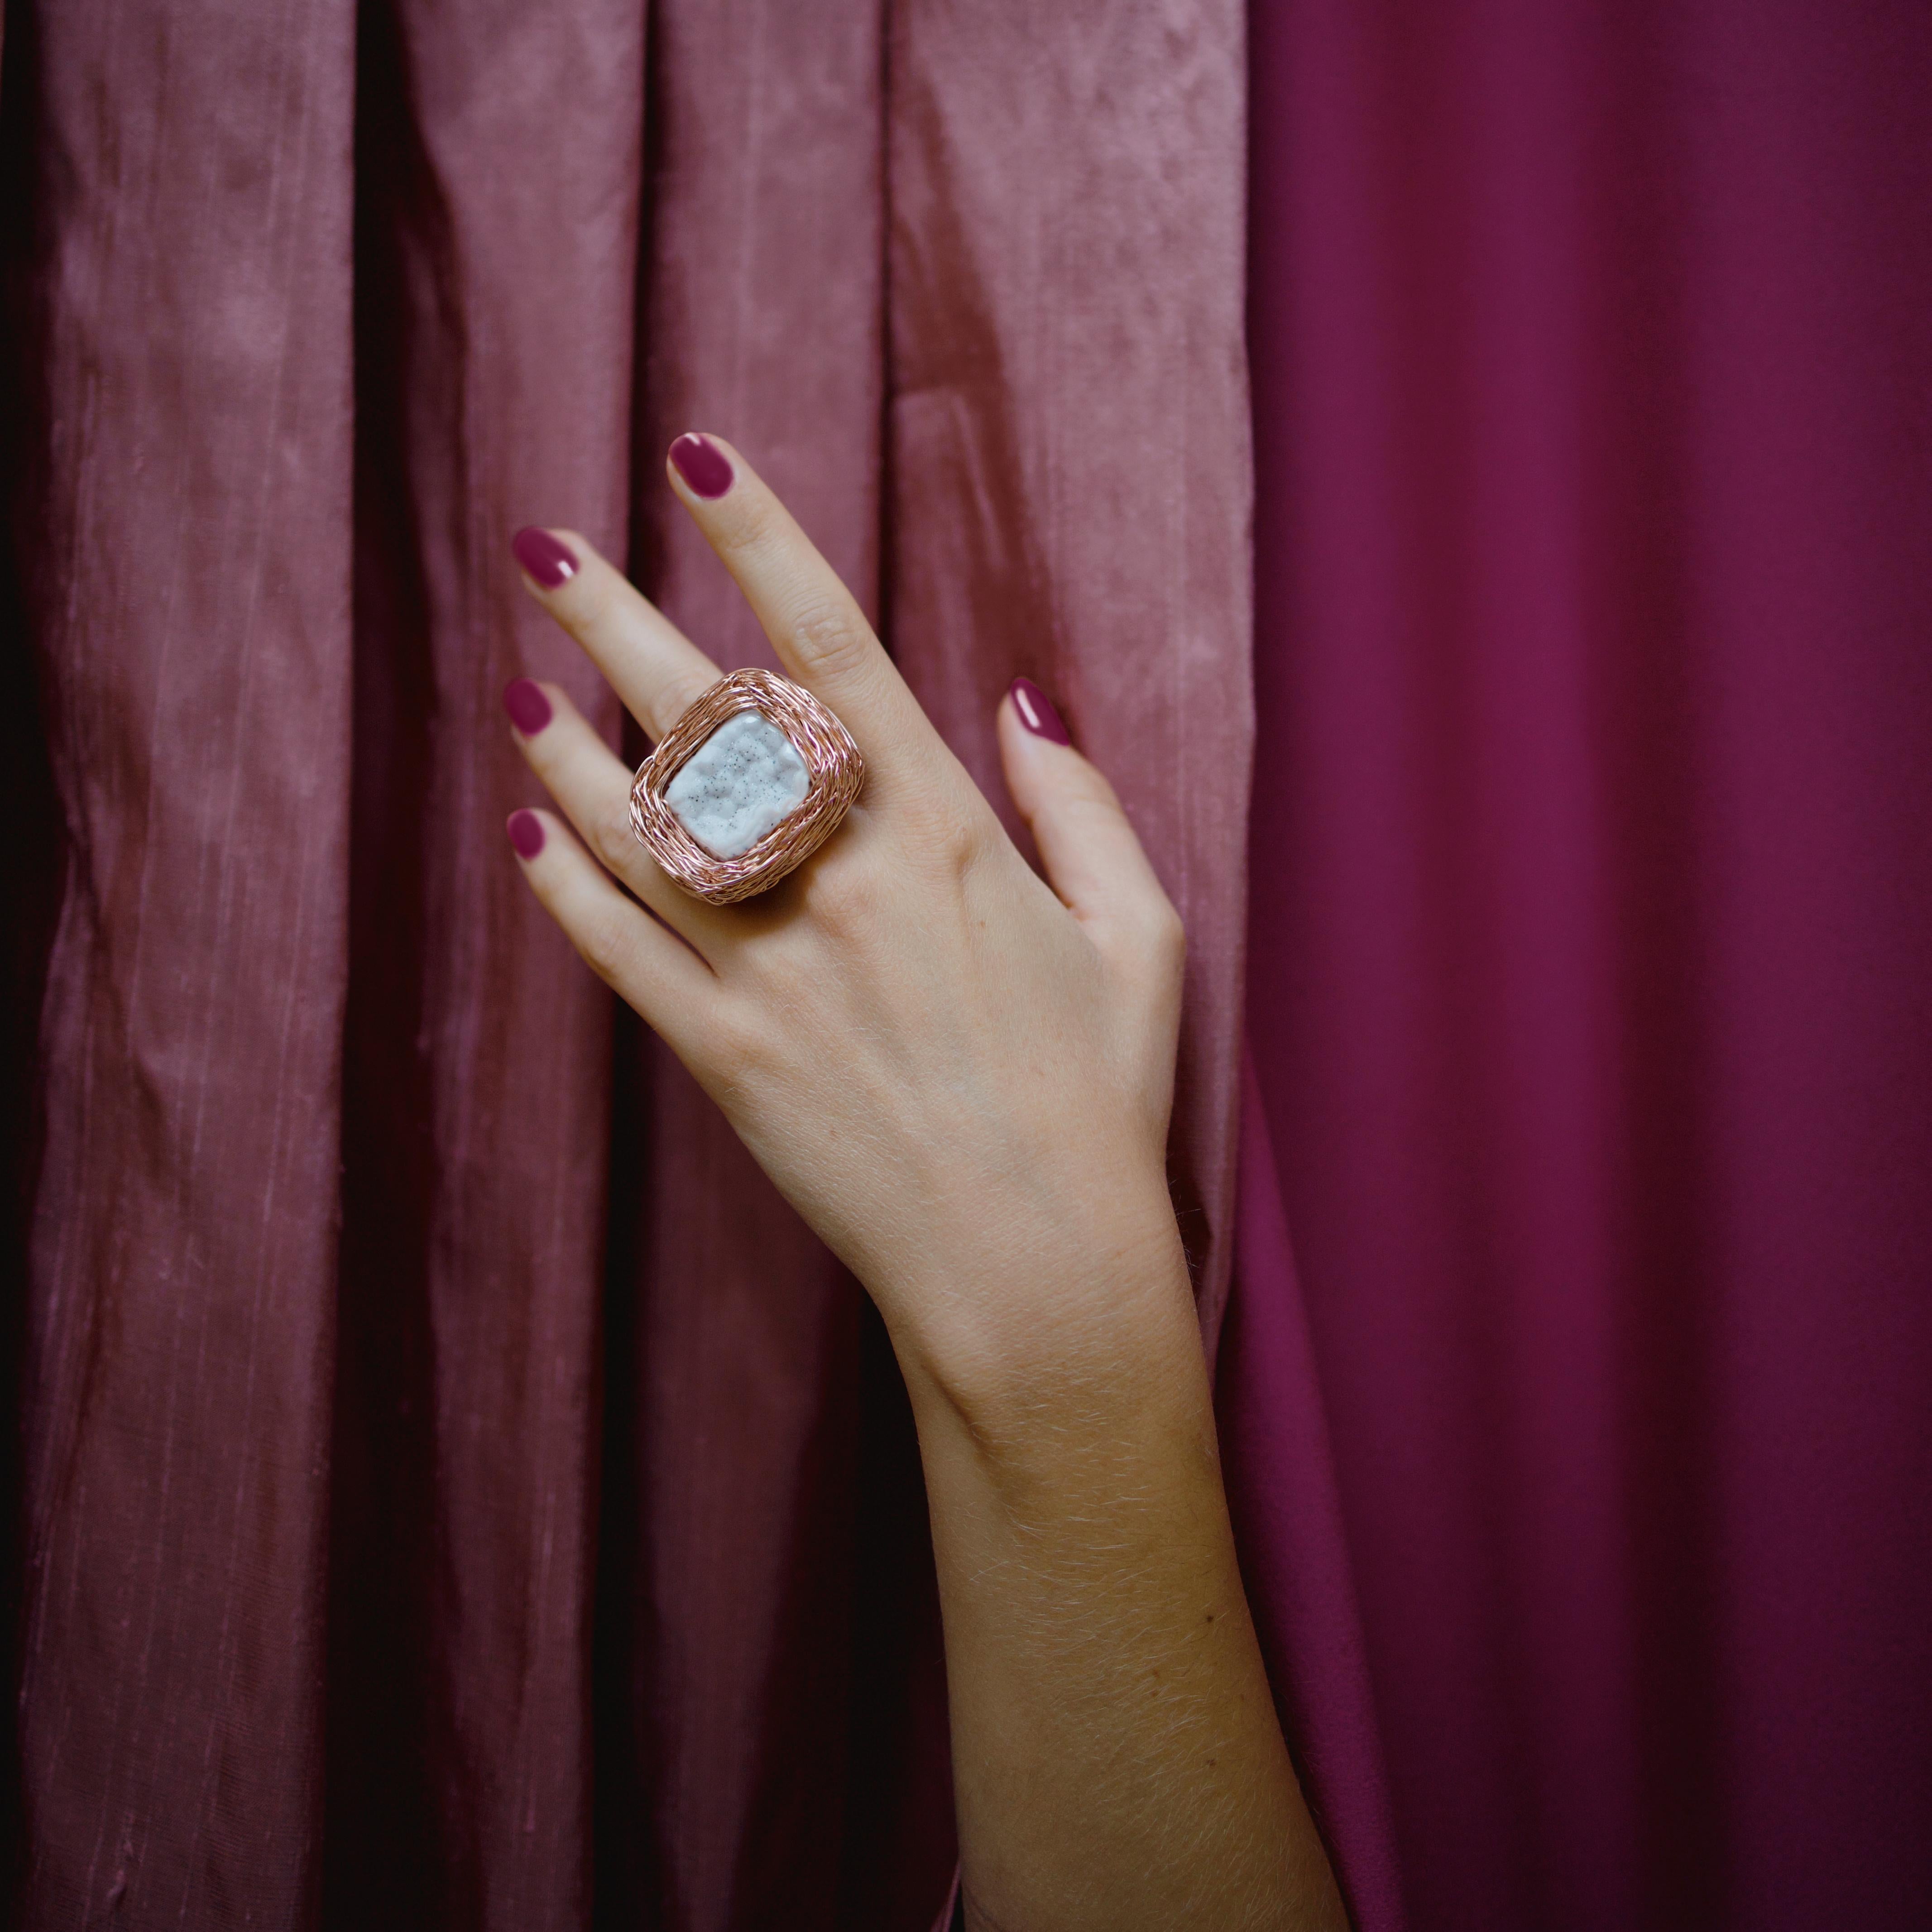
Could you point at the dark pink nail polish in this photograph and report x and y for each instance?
(529, 709)
(548, 562)
(702, 465)
(1036, 712)
(526, 831)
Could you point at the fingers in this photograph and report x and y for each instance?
(652, 665)
(593, 787)
(813, 621)
(668, 984)
(1094, 860)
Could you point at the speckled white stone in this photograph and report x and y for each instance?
(740, 782)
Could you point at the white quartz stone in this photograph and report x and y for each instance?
(744, 779)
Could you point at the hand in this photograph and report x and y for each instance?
(960, 1076)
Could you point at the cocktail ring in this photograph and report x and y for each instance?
(748, 783)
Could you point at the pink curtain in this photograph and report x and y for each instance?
(454, 1491)
(450, 1490)
(1591, 947)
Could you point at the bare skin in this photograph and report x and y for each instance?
(960, 1076)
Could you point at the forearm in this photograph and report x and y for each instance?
(959, 1072)
(1116, 1753)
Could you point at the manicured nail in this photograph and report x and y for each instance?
(526, 831)
(529, 709)
(548, 562)
(1036, 712)
(702, 465)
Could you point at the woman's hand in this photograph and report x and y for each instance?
(962, 1078)
(933, 1056)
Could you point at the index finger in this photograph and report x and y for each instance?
(813, 621)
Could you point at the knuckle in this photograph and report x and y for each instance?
(1157, 941)
(1094, 790)
(605, 948)
(963, 838)
(671, 703)
(946, 825)
(829, 635)
(611, 838)
(1089, 802)
(730, 1052)
(751, 527)
(737, 1061)
(844, 900)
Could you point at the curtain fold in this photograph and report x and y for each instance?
(1070, 462)
(186, 573)
(1286, 1510)
(765, 232)
(496, 270)
(457, 1491)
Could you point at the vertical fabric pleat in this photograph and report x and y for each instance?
(188, 554)
(497, 220)
(1069, 459)
(1287, 1513)
(765, 211)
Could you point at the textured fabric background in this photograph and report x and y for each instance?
(450, 1490)
(454, 1489)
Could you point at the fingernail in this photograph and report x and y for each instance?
(526, 831)
(702, 465)
(548, 562)
(1036, 712)
(529, 709)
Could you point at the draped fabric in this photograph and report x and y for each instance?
(452, 1490)
(1591, 934)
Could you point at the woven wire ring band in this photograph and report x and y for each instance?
(835, 772)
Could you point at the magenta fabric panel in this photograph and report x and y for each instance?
(187, 557)
(1590, 927)
(1287, 1514)
(499, 156)
(1069, 456)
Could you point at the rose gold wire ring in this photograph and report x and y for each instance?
(834, 773)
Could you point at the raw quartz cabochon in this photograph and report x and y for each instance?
(743, 781)
(835, 774)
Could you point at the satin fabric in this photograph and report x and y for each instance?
(1591, 937)
(455, 1489)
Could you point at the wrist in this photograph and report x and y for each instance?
(1052, 1316)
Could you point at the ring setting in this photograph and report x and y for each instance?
(750, 781)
